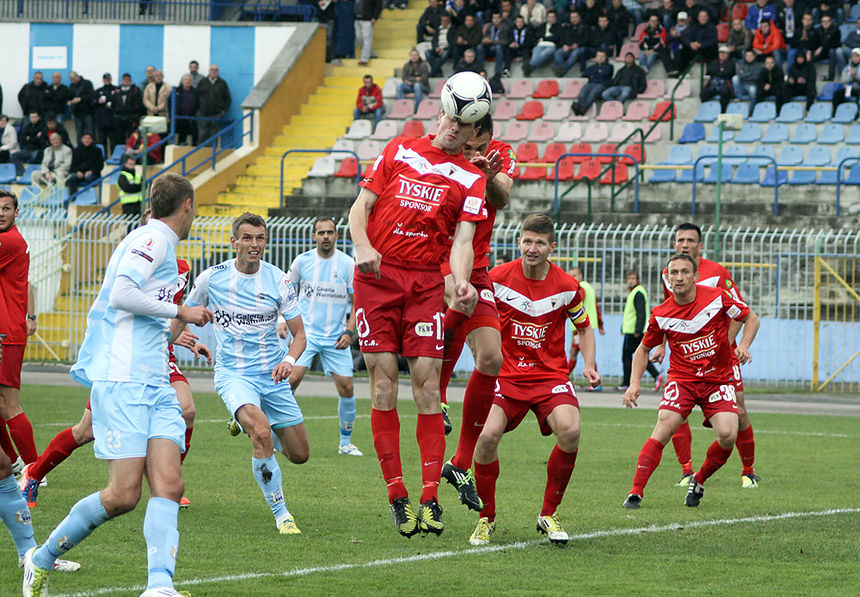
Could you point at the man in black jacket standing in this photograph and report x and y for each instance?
(214, 95)
(56, 96)
(126, 105)
(32, 95)
(187, 104)
(103, 116)
(81, 104)
(87, 164)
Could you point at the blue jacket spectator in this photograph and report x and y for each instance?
(599, 77)
(758, 12)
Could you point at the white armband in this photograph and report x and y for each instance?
(290, 359)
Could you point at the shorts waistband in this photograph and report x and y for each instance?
(413, 265)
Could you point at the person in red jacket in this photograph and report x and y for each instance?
(369, 101)
(768, 41)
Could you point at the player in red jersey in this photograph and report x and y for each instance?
(418, 205)
(688, 239)
(695, 321)
(480, 327)
(535, 299)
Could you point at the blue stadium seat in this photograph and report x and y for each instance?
(853, 135)
(844, 30)
(680, 155)
(819, 112)
(747, 173)
(832, 134)
(818, 156)
(827, 91)
(101, 149)
(845, 113)
(776, 133)
(710, 150)
(26, 179)
(735, 154)
(693, 133)
(799, 177)
(687, 175)
(853, 175)
(829, 177)
(804, 133)
(708, 111)
(87, 197)
(762, 150)
(750, 133)
(116, 157)
(7, 173)
(845, 152)
(790, 156)
(791, 112)
(662, 176)
(712, 173)
(742, 108)
(770, 178)
(854, 14)
(714, 135)
(763, 112)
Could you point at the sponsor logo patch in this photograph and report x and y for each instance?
(487, 295)
(473, 204)
(424, 329)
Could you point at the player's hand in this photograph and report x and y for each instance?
(489, 164)
(631, 395)
(743, 355)
(343, 342)
(281, 371)
(367, 260)
(592, 376)
(602, 331)
(465, 297)
(186, 339)
(198, 315)
(282, 330)
(200, 350)
(31, 327)
(658, 354)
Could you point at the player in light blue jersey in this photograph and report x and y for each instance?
(322, 278)
(137, 421)
(246, 295)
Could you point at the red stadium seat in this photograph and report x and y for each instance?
(606, 148)
(348, 168)
(546, 89)
(566, 168)
(723, 32)
(580, 148)
(532, 173)
(620, 175)
(553, 151)
(636, 150)
(532, 110)
(543, 131)
(654, 89)
(402, 109)
(590, 170)
(658, 110)
(740, 11)
(637, 110)
(527, 152)
(413, 128)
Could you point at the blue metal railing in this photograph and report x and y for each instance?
(556, 202)
(757, 157)
(289, 151)
(839, 180)
(162, 10)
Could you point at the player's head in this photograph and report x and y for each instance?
(453, 134)
(8, 209)
(631, 276)
(681, 271)
(249, 238)
(480, 141)
(325, 236)
(688, 239)
(576, 273)
(172, 197)
(536, 240)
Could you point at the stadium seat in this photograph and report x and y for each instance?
(763, 112)
(662, 175)
(26, 178)
(618, 175)
(770, 178)
(571, 88)
(542, 132)
(413, 128)
(345, 145)
(714, 135)
(711, 177)
(389, 89)
(804, 133)
(827, 91)
(427, 109)
(790, 112)
(90, 196)
(514, 132)
(659, 110)
(693, 133)
(546, 89)
(708, 111)
(854, 14)
(734, 154)
(589, 170)
(553, 151)
(635, 150)
(790, 156)
(527, 152)
(654, 89)
(532, 173)
(707, 149)
(801, 177)
(557, 109)
(844, 153)
(595, 132)
(853, 175)
(589, 114)
(722, 32)
(323, 167)
(630, 46)
(739, 11)
(853, 135)
(580, 148)
(505, 110)
(820, 112)
(750, 133)
(747, 173)
(116, 157)
(437, 89)
(621, 131)
(655, 135)
(741, 108)
(348, 168)
(101, 149)
(606, 148)
(832, 134)
(687, 174)
(611, 110)
(566, 169)
(757, 155)
(521, 89)
(684, 90)
(532, 110)
(368, 150)
(637, 110)
(776, 133)
(7, 173)
(829, 176)
(679, 155)
(401, 109)
(385, 130)
(568, 132)
(359, 129)
(845, 113)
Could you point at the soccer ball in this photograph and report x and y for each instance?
(466, 96)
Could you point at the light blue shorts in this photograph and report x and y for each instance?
(275, 400)
(334, 360)
(126, 415)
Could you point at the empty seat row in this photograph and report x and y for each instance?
(778, 132)
(790, 112)
(790, 155)
(549, 88)
(750, 173)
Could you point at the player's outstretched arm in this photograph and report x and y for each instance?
(297, 347)
(751, 325)
(462, 258)
(640, 362)
(367, 259)
(587, 347)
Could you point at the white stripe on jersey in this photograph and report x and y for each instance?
(422, 165)
(523, 304)
(692, 326)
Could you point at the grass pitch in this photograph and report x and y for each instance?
(795, 535)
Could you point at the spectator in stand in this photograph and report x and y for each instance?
(32, 94)
(590, 12)
(187, 104)
(81, 104)
(126, 105)
(344, 30)
(441, 46)
(326, 16)
(603, 37)
(830, 9)
(194, 73)
(508, 12)
(366, 14)
(148, 77)
(548, 40)
(747, 72)
(599, 76)
(805, 39)
(156, 95)
(788, 17)
(134, 146)
(636, 10)
(56, 127)
(8, 139)
(469, 63)
(33, 140)
(739, 40)
(456, 10)
(768, 41)
(719, 84)
(130, 183)
(828, 39)
(56, 161)
(850, 79)
(416, 78)
(87, 164)
(699, 39)
(215, 100)
(652, 43)
(534, 13)
(496, 37)
(667, 14)
(693, 7)
(620, 21)
(520, 46)
(759, 12)
(851, 41)
(674, 41)
(429, 21)
(102, 115)
(575, 46)
(770, 83)
(369, 101)
(800, 80)
(468, 38)
(628, 82)
(56, 96)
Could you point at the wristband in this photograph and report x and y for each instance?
(290, 359)
(350, 332)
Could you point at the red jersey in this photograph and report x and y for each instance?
(14, 272)
(533, 316)
(423, 192)
(697, 334)
(711, 274)
(181, 285)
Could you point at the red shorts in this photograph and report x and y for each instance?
(712, 397)
(402, 311)
(737, 380)
(485, 315)
(175, 372)
(541, 398)
(10, 365)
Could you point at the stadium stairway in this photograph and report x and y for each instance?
(322, 120)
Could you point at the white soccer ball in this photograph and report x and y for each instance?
(467, 97)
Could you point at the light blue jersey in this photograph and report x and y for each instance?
(122, 346)
(246, 309)
(324, 287)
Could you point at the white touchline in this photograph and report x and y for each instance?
(474, 550)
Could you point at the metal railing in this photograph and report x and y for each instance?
(152, 10)
(725, 157)
(614, 157)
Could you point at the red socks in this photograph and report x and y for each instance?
(746, 449)
(558, 471)
(22, 434)
(6, 442)
(60, 448)
(476, 407)
(385, 426)
(681, 441)
(188, 432)
(715, 458)
(649, 458)
(455, 339)
(430, 433)
(485, 483)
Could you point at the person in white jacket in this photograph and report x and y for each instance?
(8, 139)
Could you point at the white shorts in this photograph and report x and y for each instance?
(126, 415)
(275, 400)
(335, 361)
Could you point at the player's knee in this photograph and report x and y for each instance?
(568, 438)
(298, 456)
(727, 438)
(489, 439)
(261, 436)
(5, 468)
(489, 362)
(189, 412)
(83, 434)
(120, 500)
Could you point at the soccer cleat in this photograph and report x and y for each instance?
(620, 388)
(234, 427)
(35, 579)
(288, 527)
(349, 450)
(551, 527)
(658, 383)
(464, 481)
(184, 502)
(448, 426)
(695, 493)
(404, 516)
(685, 480)
(17, 466)
(164, 592)
(633, 501)
(59, 565)
(29, 487)
(481, 535)
(430, 517)
(750, 481)
(594, 389)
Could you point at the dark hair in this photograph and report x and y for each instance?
(682, 256)
(248, 218)
(167, 194)
(5, 193)
(485, 125)
(539, 224)
(689, 226)
(323, 219)
(632, 272)
(194, 62)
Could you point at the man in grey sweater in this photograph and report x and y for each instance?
(56, 162)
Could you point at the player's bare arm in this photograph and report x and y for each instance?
(367, 259)
(461, 259)
(734, 329)
(587, 347)
(499, 184)
(31, 309)
(751, 325)
(297, 347)
(640, 362)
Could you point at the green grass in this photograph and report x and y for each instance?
(808, 464)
